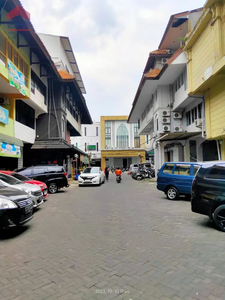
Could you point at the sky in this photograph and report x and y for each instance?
(111, 40)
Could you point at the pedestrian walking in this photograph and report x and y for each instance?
(107, 173)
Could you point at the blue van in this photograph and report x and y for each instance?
(175, 178)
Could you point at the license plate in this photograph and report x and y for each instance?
(28, 209)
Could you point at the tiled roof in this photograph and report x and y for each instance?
(175, 55)
(153, 73)
(65, 75)
(159, 52)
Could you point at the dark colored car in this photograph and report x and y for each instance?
(208, 192)
(16, 207)
(54, 177)
(175, 178)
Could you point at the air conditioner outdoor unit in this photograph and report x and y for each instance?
(198, 122)
(177, 115)
(166, 128)
(4, 101)
(163, 61)
(166, 120)
(178, 129)
(166, 113)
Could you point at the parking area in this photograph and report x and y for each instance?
(122, 241)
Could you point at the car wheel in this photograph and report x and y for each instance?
(53, 188)
(219, 217)
(172, 193)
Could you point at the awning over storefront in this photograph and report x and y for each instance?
(10, 140)
(177, 136)
(56, 144)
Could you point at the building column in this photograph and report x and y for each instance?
(103, 163)
(20, 160)
(187, 151)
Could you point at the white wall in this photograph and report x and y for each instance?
(56, 49)
(89, 139)
(72, 120)
(24, 133)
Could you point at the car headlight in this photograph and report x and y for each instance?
(5, 204)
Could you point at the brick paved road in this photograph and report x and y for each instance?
(122, 241)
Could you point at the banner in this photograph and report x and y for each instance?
(16, 78)
(4, 115)
(10, 150)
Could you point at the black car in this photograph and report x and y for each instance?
(53, 176)
(208, 192)
(16, 207)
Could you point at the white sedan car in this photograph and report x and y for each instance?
(92, 176)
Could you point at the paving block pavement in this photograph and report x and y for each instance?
(117, 241)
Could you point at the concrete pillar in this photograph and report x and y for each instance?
(199, 149)
(103, 163)
(20, 160)
(187, 151)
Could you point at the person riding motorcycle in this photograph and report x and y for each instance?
(118, 172)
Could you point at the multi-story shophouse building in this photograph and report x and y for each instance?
(67, 108)
(162, 106)
(205, 47)
(29, 81)
(120, 143)
(90, 142)
(20, 54)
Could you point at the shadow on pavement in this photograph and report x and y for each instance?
(12, 232)
(207, 223)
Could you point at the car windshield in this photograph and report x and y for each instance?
(91, 170)
(20, 177)
(9, 179)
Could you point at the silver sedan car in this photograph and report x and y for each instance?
(33, 190)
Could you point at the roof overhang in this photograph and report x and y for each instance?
(148, 85)
(29, 34)
(173, 136)
(71, 57)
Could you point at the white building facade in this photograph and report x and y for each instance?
(162, 107)
(90, 142)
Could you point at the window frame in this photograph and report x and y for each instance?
(166, 166)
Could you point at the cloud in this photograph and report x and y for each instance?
(111, 40)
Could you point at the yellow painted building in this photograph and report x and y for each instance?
(205, 47)
(120, 143)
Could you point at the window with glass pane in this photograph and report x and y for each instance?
(182, 169)
(136, 142)
(168, 169)
(10, 51)
(107, 142)
(136, 129)
(200, 110)
(217, 172)
(188, 118)
(108, 127)
(2, 48)
(192, 116)
(122, 137)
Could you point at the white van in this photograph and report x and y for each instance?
(133, 169)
